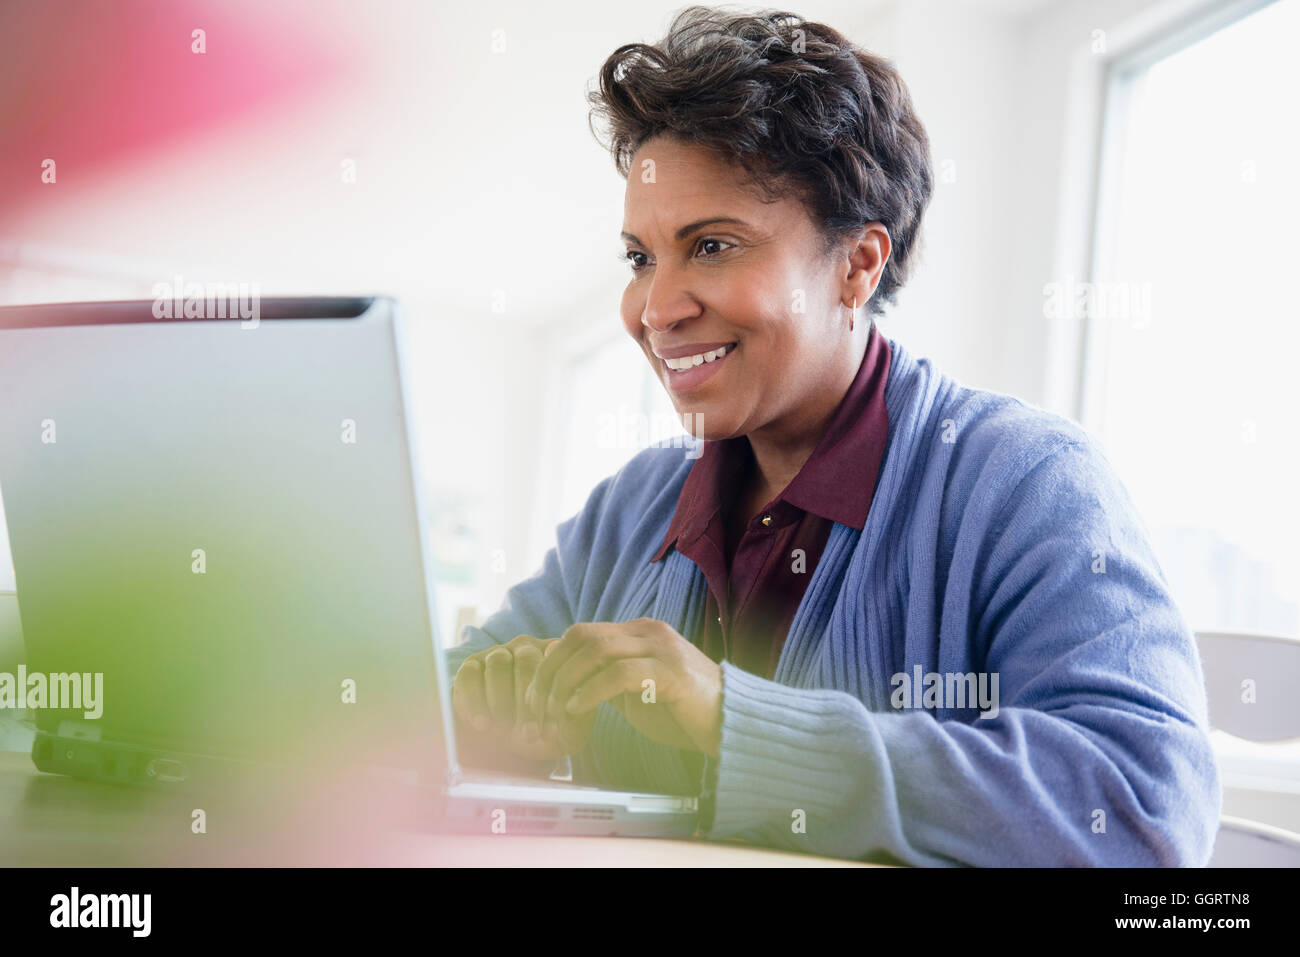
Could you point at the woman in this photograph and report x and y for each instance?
(882, 615)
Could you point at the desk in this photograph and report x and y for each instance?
(51, 820)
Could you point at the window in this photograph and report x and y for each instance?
(615, 408)
(606, 405)
(1190, 374)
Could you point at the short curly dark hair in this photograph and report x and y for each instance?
(796, 105)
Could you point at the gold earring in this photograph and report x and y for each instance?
(853, 313)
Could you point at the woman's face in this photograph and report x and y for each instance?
(753, 294)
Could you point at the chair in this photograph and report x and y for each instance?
(1273, 664)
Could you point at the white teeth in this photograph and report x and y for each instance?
(689, 362)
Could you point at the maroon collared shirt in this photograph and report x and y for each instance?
(756, 583)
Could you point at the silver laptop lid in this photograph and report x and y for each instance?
(224, 519)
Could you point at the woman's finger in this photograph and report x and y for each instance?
(598, 649)
(499, 684)
(527, 660)
(557, 652)
(627, 675)
(468, 697)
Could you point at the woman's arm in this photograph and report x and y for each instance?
(1099, 754)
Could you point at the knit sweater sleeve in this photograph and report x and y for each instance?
(1098, 754)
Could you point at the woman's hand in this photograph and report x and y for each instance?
(487, 699)
(667, 688)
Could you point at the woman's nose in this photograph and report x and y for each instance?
(666, 304)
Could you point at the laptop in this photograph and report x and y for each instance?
(222, 557)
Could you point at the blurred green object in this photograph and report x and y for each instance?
(15, 732)
(11, 633)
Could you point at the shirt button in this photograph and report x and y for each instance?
(767, 519)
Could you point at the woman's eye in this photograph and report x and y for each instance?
(718, 242)
(630, 256)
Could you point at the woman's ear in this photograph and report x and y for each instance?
(865, 263)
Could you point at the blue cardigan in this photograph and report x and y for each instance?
(999, 541)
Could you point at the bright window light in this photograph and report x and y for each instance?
(1194, 387)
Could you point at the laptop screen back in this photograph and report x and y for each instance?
(221, 519)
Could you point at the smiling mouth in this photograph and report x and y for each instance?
(686, 363)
